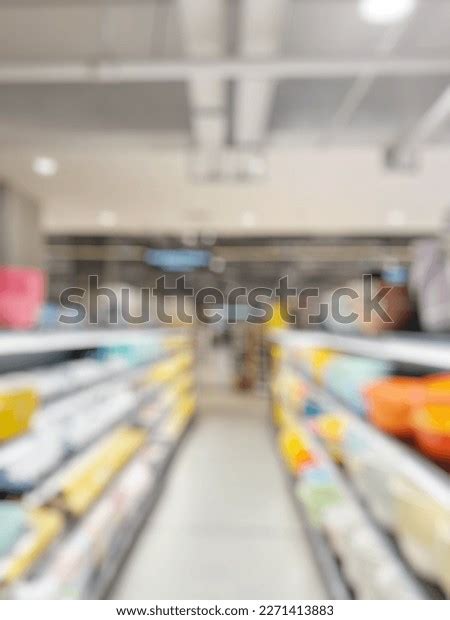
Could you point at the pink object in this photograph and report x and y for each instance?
(21, 296)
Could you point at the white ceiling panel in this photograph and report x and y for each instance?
(69, 31)
(429, 33)
(62, 31)
(306, 105)
(49, 33)
(329, 27)
(93, 108)
(396, 104)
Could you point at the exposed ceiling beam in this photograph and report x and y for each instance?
(403, 152)
(260, 37)
(203, 25)
(42, 4)
(361, 87)
(220, 69)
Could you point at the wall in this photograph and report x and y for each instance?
(308, 190)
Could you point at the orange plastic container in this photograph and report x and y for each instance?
(432, 431)
(391, 403)
(431, 421)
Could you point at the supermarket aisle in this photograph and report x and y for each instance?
(225, 526)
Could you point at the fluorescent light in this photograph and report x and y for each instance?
(107, 219)
(385, 11)
(45, 166)
(248, 219)
(396, 218)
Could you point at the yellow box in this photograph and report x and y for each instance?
(46, 524)
(86, 483)
(16, 412)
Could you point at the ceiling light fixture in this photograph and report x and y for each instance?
(385, 11)
(45, 166)
(107, 219)
(248, 219)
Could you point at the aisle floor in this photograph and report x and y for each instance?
(225, 526)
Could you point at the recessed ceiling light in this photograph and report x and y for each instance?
(396, 218)
(248, 219)
(45, 166)
(107, 219)
(385, 11)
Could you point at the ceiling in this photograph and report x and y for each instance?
(225, 82)
(64, 33)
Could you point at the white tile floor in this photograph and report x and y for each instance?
(225, 526)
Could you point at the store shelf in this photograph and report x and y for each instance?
(425, 473)
(50, 485)
(157, 456)
(419, 350)
(326, 561)
(167, 451)
(409, 464)
(27, 342)
(346, 488)
(161, 392)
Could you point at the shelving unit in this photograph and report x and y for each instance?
(327, 562)
(408, 349)
(72, 339)
(160, 465)
(408, 463)
(423, 470)
(345, 486)
(161, 411)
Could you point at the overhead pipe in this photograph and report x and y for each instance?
(223, 69)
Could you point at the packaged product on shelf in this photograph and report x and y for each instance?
(372, 473)
(68, 573)
(83, 418)
(17, 407)
(82, 486)
(13, 523)
(372, 570)
(22, 293)
(43, 527)
(318, 490)
(312, 407)
(84, 558)
(347, 377)
(294, 448)
(363, 558)
(391, 403)
(443, 556)
(331, 429)
(278, 414)
(162, 405)
(167, 370)
(29, 459)
(132, 486)
(316, 361)
(180, 417)
(431, 426)
(131, 354)
(337, 521)
(419, 519)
